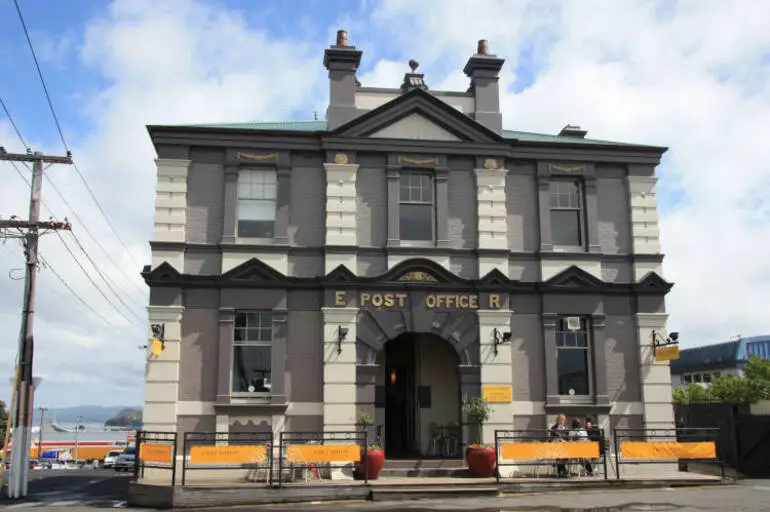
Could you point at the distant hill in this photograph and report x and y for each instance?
(87, 413)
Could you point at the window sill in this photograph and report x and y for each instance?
(416, 244)
(254, 241)
(239, 397)
(569, 248)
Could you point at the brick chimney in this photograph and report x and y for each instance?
(483, 69)
(342, 61)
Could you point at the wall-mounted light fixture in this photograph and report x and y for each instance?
(393, 377)
(665, 349)
(158, 344)
(500, 338)
(342, 333)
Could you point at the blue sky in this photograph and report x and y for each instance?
(689, 74)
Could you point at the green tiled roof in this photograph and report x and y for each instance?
(320, 125)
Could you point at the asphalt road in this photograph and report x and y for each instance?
(88, 490)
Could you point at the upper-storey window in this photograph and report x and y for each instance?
(567, 227)
(256, 203)
(416, 207)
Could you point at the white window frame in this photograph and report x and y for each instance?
(408, 201)
(241, 200)
(581, 211)
(267, 318)
(561, 328)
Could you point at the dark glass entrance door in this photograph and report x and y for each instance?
(400, 414)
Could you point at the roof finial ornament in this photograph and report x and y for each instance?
(483, 47)
(413, 65)
(342, 38)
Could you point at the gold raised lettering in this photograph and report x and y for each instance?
(430, 301)
(494, 301)
(365, 298)
(401, 299)
(339, 298)
(377, 300)
(474, 301)
(390, 300)
(463, 301)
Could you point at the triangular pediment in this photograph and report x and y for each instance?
(341, 274)
(652, 282)
(417, 114)
(163, 272)
(415, 126)
(495, 278)
(253, 270)
(574, 277)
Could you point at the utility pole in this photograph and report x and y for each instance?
(77, 431)
(29, 232)
(40, 436)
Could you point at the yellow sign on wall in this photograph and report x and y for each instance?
(667, 353)
(303, 453)
(159, 453)
(239, 454)
(668, 450)
(497, 394)
(546, 450)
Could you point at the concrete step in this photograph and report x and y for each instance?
(425, 468)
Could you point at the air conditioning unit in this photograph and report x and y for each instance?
(573, 323)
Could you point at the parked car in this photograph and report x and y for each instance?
(110, 458)
(126, 460)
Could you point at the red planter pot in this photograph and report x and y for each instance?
(375, 460)
(481, 461)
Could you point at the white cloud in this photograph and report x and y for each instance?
(686, 75)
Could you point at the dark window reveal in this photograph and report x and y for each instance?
(572, 356)
(252, 352)
(257, 192)
(566, 213)
(416, 219)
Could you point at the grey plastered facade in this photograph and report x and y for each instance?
(336, 239)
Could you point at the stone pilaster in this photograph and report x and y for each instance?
(645, 234)
(341, 216)
(339, 410)
(655, 377)
(492, 217)
(161, 391)
(496, 369)
(170, 209)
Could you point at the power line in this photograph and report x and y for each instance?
(73, 292)
(64, 142)
(88, 276)
(77, 241)
(40, 74)
(95, 239)
(13, 123)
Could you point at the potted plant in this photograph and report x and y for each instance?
(373, 454)
(481, 458)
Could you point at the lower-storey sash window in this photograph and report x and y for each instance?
(252, 352)
(572, 355)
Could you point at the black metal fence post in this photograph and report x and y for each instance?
(173, 460)
(366, 458)
(617, 453)
(184, 457)
(280, 460)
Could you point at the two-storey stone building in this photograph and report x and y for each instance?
(401, 256)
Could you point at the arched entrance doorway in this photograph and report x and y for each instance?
(420, 409)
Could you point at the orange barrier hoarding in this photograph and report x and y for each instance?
(549, 450)
(158, 453)
(233, 454)
(302, 453)
(668, 451)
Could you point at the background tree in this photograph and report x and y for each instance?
(748, 389)
(3, 417)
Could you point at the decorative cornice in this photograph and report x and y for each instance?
(255, 274)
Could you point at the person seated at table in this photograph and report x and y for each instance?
(559, 433)
(595, 435)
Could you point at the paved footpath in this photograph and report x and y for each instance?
(101, 492)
